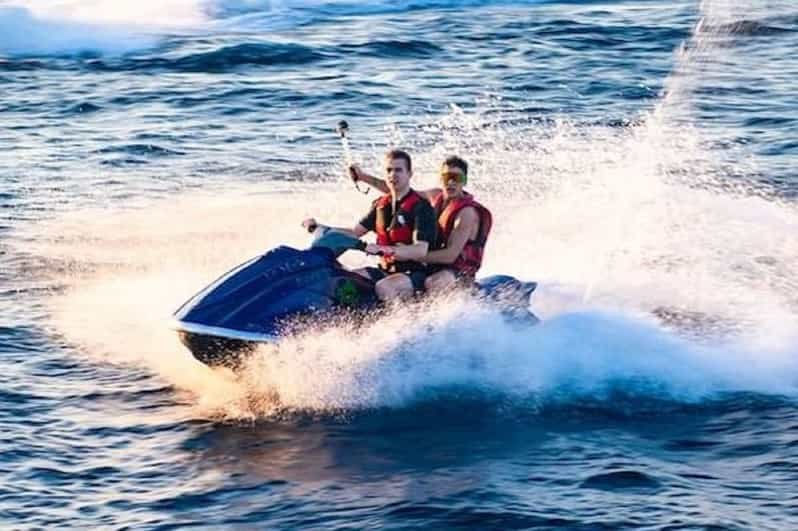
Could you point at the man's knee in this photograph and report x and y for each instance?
(394, 286)
(440, 280)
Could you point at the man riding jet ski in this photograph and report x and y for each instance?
(405, 226)
(260, 300)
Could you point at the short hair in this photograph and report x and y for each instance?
(457, 162)
(402, 155)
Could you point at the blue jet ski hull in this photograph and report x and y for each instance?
(263, 299)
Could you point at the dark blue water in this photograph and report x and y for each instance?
(639, 158)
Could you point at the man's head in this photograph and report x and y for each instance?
(398, 170)
(454, 175)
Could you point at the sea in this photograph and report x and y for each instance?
(640, 158)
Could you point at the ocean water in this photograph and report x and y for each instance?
(640, 160)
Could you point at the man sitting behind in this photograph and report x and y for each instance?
(405, 226)
(463, 226)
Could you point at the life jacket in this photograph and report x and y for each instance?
(470, 259)
(396, 230)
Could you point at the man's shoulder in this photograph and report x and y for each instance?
(468, 213)
(422, 203)
(431, 194)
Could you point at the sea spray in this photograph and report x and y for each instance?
(123, 289)
(651, 260)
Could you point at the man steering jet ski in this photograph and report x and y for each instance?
(405, 226)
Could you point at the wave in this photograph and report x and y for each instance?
(226, 58)
(463, 350)
(393, 49)
(299, 12)
(22, 33)
(105, 27)
(231, 57)
(752, 28)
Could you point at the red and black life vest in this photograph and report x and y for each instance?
(470, 259)
(396, 230)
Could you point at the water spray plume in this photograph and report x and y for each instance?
(660, 271)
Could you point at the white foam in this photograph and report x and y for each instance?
(157, 14)
(35, 28)
(131, 269)
(398, 362)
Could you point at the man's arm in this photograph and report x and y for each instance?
(379, 184)
(414, 252)
(465, 224)
(357, 231)
(359, 175)
(431, 194)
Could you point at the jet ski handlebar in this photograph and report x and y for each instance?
(336, 240)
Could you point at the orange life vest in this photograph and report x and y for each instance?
(470, 259)
(397, 231)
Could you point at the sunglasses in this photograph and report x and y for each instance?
(453, 176)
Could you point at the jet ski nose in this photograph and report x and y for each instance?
(216, 351)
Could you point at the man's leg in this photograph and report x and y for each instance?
(440, 281)
(395, 286)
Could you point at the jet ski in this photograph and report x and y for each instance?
(263, 299)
